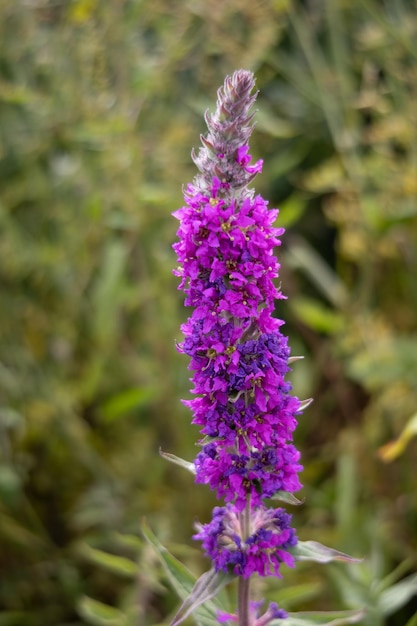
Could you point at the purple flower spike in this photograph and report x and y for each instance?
(238, 355)
(242, 400)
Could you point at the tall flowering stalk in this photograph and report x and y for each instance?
(239, 357)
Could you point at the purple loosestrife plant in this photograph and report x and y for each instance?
(238, 354)
(239, 358)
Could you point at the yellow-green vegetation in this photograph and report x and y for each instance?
(100, 103)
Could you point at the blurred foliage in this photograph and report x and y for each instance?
(100, 104)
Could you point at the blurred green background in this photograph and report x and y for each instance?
(100, 105)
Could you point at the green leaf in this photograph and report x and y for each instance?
(10, 483)
(291, 211)
(303, 256)
(395, 575)
(394, 449)
(178, 461)
(18, 536)
(314, 551)
(205, 588)
(107, 296)
(288, 498)
(399, 594)
(304, 404)
(99, 614)
(128, 541)
(111, 562)
(125, 402)
(317, 316)
(183, 581)
(357, 590)
(321, 618)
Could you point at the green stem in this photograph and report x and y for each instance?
(243, 590)
(243, 601)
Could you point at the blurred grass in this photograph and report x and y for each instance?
(100, 104)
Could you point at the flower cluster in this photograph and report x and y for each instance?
(238, 356)
(262, 550)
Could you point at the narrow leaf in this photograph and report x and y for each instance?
(315, 315)
(288, 498)
(314, 551)
(99, 614)
(111, 562)
(125, 402)
(205, 588)
(395, 448)
(303, 256)
(128, 541)
(304, 404)
(396, 596)
(183, 581)
(395, 575)
(321, 618)
(293, 359)
(178, 461)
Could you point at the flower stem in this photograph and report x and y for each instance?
(243, 601)
(243, 590)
